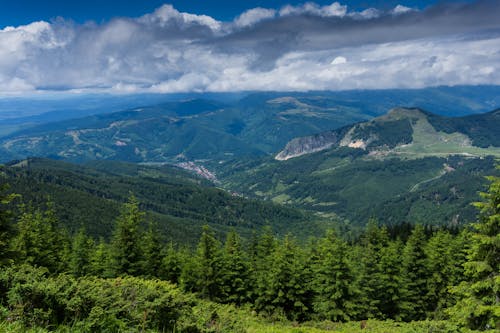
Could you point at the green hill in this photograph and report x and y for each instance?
(179, 203)
(406, 166)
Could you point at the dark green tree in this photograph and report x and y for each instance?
(81, 249)
(479, 303)
(125, 251)
(286, 288)
(152, 254)
(6, 228)
(203, 273)
(99, 260)
(171, 265)
(415, 277)
(371, 286)
(235, 271)
(40, 240)
(334, 294)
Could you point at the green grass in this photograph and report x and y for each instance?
(429, 142)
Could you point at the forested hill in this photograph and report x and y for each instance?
(408, 133)
(178, 202)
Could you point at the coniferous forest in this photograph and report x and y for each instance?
(417, 279)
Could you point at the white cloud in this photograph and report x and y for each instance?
(252, 16)
(400, 9)
(335, 9)
(167, 14)
(339, 60)
(309, 47)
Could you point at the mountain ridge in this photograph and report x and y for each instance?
(395, 131)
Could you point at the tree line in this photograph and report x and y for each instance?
(439, 276)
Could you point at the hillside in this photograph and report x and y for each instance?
(410, 133)
(408, 165)
(178, 202)
(217, 127)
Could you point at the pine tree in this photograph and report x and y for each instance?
(479, 303)
(264, 247)
(286, 287)
(202, 274)
(446, 257)
(415, 276)
(151, 253)
(235, 271)
(390, 282)
(81, 248)
(332, 281)
(99, 260)
(6, 228)
(171, 265)
(126, 251)
(40, 240)
(372, 289)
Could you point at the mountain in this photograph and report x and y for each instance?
(406, 166)
(179, 202)
(410, 133)
(214, 127)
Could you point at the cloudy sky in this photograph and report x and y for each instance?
(264, 45)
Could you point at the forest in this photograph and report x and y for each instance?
(135, 281)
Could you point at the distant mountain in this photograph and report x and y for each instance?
(178, 202)
(219, 127)
(406, 166)
(410, 133)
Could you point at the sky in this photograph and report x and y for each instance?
(218, 46)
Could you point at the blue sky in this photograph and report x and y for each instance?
(222, 46)
(20, 12)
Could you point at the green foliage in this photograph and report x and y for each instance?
(79, 263)
(479, 304)
(91, 304)
(482, 129)
(126, 254)
(431, 190)
(415, 275)
(40, 241)
(286, 282)
(178, 202)
(6, 229)
(334, 295)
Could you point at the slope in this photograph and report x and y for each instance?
(179, 203)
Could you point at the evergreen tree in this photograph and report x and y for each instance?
(415, 276)
(390, 282)
(6, 228)
(332, 280)
(81, 248)
(99, 260)
(151, 253)
(264, 247)
(203, 273)
(286, 287)
(40, 240)
(235, 271)
(126, 251)
(373, 241)
(446, 257)
(479, 304)
(171, 265)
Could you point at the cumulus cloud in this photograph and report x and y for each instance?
(307, 47)
(252, 16)
(311, 8)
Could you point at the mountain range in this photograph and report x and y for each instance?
(334, 156)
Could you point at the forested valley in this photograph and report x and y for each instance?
(415, 279)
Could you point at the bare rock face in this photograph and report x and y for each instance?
(308, 144)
